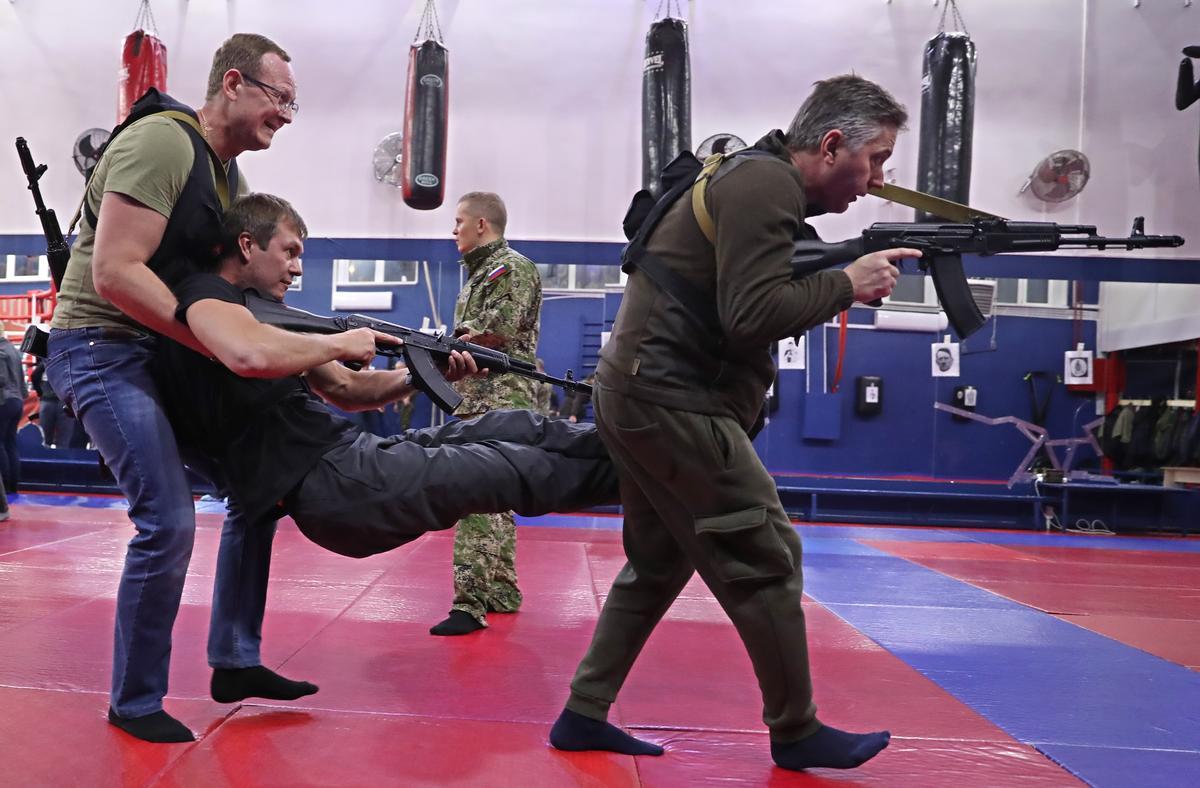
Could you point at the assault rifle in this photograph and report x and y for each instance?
(418, 349)
(943, 246)
(57, 250)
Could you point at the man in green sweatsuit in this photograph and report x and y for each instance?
(678, 397)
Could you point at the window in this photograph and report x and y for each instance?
(580, 277)
(25, 268)
(1032, 292)
(375, 272)
(911, 289)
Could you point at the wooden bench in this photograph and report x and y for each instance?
(1174, 477)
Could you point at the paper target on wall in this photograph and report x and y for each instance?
(944, 359)
(1077, 367)
(791, 353)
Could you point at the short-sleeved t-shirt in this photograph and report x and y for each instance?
(149, 162)
(266, 434)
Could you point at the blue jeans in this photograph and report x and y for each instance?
(243, 569)
(104, 375)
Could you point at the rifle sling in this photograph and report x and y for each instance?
(937, 206)
(699, 306)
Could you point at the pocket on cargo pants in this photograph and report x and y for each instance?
(744, 546)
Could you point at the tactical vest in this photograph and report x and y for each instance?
(683, 173)
(192, 236)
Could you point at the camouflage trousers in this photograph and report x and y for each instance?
(485, 572)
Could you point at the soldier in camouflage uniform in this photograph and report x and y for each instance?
(499, 307)
(544, 400)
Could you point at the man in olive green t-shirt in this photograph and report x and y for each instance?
(145, 204)
(148, 163)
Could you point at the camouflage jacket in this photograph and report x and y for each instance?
(543, 398)
(502, 298)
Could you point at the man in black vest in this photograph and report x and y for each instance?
(153, 204)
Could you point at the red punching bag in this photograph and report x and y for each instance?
(143, 62)
(423, 174)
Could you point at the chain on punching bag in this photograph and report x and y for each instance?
(666, 98)
(143, 62)
(426, 104)
(947, 114)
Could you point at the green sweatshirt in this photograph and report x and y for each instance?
(657, 351)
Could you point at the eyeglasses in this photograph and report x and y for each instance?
(275, 93)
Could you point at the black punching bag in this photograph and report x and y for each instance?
(423, 179)
(1187, 89)
(947, 118)
(666, 99)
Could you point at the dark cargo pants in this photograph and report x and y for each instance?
(374, 494)
(697, 498)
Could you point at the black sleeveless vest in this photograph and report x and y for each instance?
(192, 237)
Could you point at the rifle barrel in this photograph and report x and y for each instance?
(1129, 242)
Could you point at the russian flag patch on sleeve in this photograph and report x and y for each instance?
(498, 272)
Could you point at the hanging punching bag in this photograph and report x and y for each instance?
(666, 99)
(1187, 89)
(143, 62)
(947, 118)
(423, 180)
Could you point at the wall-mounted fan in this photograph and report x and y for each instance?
(86, 152)
(1059, 177)
(719, 143)
(388, 155)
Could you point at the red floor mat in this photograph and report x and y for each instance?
(62, 738)
(1106, 574)
(331, 748)
(1173, 640)
(1155, 608)
(711, 758)
(398, 706)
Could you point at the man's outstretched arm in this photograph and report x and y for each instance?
(255, 350)
(367, 389)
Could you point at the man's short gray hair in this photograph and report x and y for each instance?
(857, 107)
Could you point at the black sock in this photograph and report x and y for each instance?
(229, 685)
(459, 622)
(829, 748)
(575, 732)
(158, 727)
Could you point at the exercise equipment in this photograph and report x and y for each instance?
(143, 62)
(426, 106)
(666, 98)
(947, 114)
(1187, 90)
